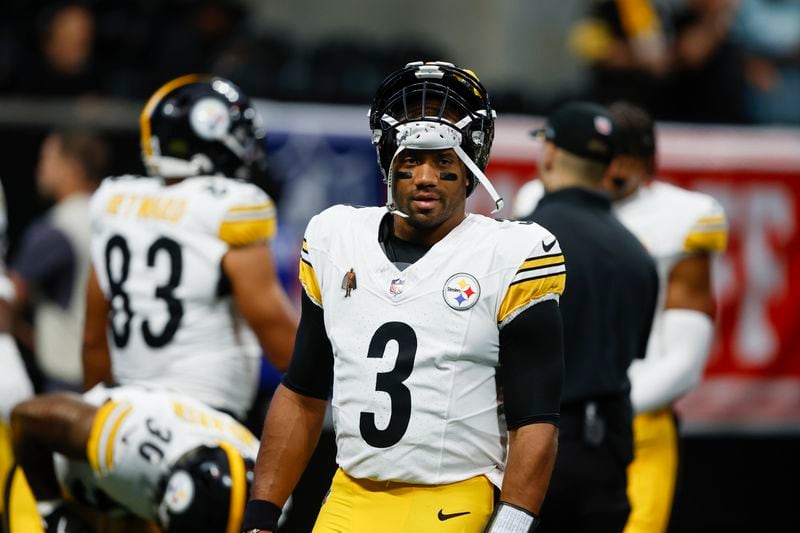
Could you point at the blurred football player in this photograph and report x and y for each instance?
(183, 280)
(682, 230)
(413, 311)
(15, 385)
(161, 457)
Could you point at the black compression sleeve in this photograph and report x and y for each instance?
(532, 365)
(311, 370)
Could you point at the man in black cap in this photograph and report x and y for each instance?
(607, 311)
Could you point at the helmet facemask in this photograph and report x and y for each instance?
(433, 106)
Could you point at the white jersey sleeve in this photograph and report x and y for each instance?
(673, 224)
(157, 251)
(540, 276)
(137, 436)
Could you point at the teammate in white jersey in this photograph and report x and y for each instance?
(414, 315)
(162, 457)
(181, 260)
(15, 385)
(682, 230)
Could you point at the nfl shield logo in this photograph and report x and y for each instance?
(396, 287)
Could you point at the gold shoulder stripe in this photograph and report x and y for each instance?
(522, 292)
(238, 488)
(711, 219)
(705, 241)
(93, 444)
(113, 433)
(244, 232)
(305, 246)
(541, 261)
(247, 208)
(309, 280)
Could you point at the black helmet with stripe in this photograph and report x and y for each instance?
(431, 106)
(201, 125)
(206, 490)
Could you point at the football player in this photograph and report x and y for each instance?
(682, 230)
(414, 312)
(15, 385)
(183, 278)
(162, 457)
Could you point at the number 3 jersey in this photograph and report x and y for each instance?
(157, 252)
(415, 351)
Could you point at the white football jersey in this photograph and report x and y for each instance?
(157, 251)
(137, 436)
(415, 351)
(672, 223)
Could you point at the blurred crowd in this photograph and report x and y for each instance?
(728, 61)
(125, 48)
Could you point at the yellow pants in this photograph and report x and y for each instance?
(652, 474)
(365, 506)
(21, 514)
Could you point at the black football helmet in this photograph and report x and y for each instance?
(433, 106)
(201, 125)
(206, 490)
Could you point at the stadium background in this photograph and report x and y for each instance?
(313, 67)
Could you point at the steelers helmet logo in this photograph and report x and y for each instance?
(461, 291)
(210, 119)
(179, 493)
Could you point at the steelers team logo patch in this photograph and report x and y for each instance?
(461, 291)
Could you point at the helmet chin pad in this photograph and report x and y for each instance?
(427, 135)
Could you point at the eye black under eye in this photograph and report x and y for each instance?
(448, 176)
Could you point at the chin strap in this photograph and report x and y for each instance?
(478, 173)
(390, 205)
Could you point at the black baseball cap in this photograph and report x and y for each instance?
(581, 128)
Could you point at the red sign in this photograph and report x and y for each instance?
(753, 375)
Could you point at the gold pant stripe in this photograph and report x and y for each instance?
(653, 472)
(365, 506)
(21, 515)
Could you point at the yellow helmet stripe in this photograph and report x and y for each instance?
(238, 488)
(144, 117)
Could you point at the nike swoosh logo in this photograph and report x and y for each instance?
(443, 517)
(548, 247)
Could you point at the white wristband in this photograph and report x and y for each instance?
(508, 518)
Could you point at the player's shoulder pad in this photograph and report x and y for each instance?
(705, 221)
(113, 185)
(321, 230)
(247, 213)
(538, 269)
(336, 219)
